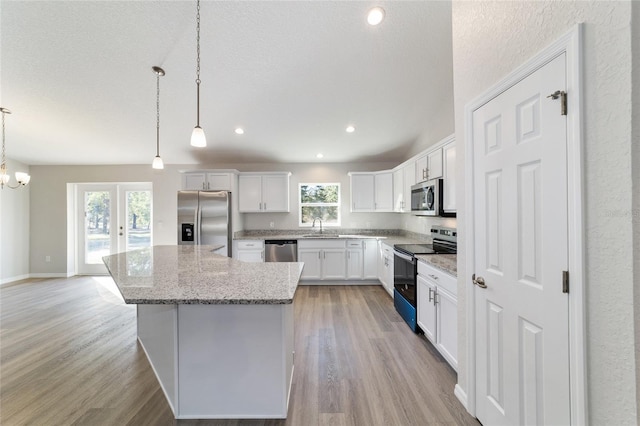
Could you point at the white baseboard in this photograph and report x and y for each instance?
(50, 275)
(12, 279)
(461, 395)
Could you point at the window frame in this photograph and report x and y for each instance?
(301, 204)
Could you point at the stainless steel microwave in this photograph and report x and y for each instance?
(426, 198)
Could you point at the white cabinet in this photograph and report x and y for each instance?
(437, 310)
(249, 250)
(215, 180)
(263, 192)
(371, 192)
(398, 190)
(355, 260)
(369, 259)
(429, 166)
(362, 192)
(323, 259)
(409, 180)
(385, 267)
(449, 178)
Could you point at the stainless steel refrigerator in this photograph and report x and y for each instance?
(204, 218)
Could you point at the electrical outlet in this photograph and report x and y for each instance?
(272, 225)
(47, 258)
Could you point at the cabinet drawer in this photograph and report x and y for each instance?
(321, 243)
(441, 278)
(249, 244)
(354, 243)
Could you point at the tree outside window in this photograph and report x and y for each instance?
(319, 200)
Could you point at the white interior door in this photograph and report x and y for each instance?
(111, 218)
(520, 212)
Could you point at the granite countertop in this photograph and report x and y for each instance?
(445, 262)
(390, 236)
(183, 274)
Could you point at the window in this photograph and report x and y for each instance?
(320, 200)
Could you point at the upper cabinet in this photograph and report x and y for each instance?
(429, 166)
(263, 192)
(449, 175)
(214, 180)
(371, 191)
(403, 177)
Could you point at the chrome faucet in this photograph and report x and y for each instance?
(314, 223)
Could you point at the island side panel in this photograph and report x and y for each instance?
(158, 335)
(233, 360)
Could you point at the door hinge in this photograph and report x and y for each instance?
(565, 281)
(563, 100)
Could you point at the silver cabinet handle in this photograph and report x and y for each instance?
(478, 281)
(431, 295)
(433, 276)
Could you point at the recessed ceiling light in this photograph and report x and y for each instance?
(319, 155)
(375, 16)
(350, 129)
(239, 131)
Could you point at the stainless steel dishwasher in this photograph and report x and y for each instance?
(281, 251)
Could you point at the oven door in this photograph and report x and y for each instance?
(404, 276)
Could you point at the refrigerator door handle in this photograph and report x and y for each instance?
(198, 220)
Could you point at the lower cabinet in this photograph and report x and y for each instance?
(438, 310)
(323, 259)
(385, 267)
(249, 250)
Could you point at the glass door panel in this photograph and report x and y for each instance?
(97, 222)
(138, 218)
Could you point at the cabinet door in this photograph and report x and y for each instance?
(334, 264)
(426, 308)
(421, 169)
(434, 164)
(275, 193)
(355, 264)
(312, 264)
(250, 255)
(398, 190)
(194, 181)
(409, 180)
(219, 181)
(383, 184)
(381, 267)
(447, 326)
(449, 175)
(389, 272)
(249, 193)
(362, 193)
(369, 259)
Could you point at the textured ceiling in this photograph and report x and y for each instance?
(77, 77)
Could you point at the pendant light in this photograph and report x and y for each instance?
(198, 138)
(157, 161)
(22, 178)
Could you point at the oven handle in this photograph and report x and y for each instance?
(410, 259)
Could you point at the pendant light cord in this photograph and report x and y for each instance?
(198, 62)
(3, 167)
(157, 114)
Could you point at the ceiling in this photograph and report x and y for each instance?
(293, 74)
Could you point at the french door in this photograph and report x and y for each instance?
(111, 218)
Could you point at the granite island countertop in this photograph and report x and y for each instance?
(183, 274)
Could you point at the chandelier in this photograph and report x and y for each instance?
(22, 178)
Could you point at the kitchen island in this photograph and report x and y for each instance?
(218, 332)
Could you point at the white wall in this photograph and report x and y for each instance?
(14, 227)
(490, 39)
(635, 160)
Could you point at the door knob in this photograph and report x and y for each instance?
(478, 281)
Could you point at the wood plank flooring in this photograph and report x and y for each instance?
(69, 356)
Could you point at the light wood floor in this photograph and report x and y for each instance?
(69, 356)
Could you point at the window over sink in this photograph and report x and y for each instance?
(319, 200)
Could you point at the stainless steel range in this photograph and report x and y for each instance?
(405, 270)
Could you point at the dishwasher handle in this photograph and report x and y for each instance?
(281, 243)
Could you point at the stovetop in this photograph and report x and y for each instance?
(435, 248)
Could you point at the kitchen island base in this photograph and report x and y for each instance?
(221, 361)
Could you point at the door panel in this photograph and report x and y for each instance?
(214, 221)
(520, 212)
